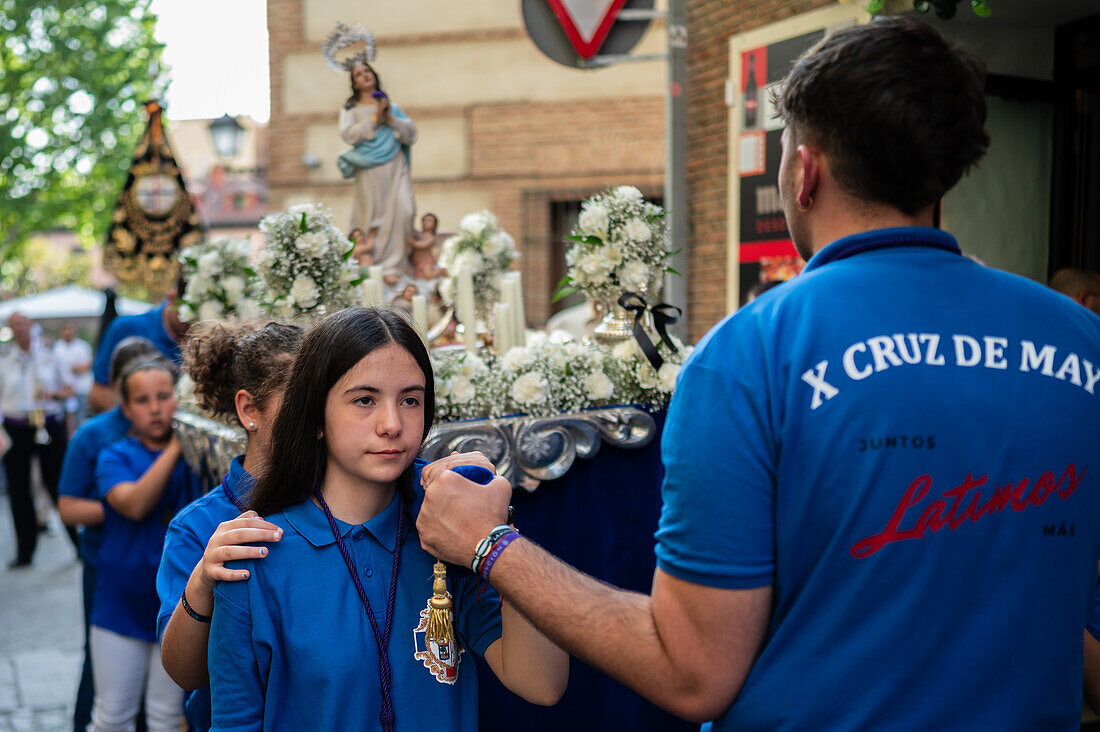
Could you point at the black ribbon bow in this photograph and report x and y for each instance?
(663, 314)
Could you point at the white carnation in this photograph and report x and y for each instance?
(198, 286)
(598, 386)
(626, 350)
(611, 256)
(312, 243)
(629, 194)
(477, 223)
(637, 230)
(647, 377)
(248, 310)
(634, 276)
(493, 246)
(536, 339)
(210, 264)
(594, 220)
(666, 376)
(531, 388)
(266, 258)
(447, 290)
(468, 260)
(186, 313)
(304, 291)
(462, 390)
(233, 287)
(471, 366)
(284, 308)
(518, 358)
(210, 310)
(592, 264)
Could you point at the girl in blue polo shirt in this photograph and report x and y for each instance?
(239, 375)
(328, 633)
(143, 483)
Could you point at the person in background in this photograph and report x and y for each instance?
(143, 483)
(74, 359)
(881, 500)
(31, 396)
(161, 325)
(239, 375)
(79, 505)
(1080, 284)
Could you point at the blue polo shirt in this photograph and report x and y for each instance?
(903, 444)
(184, 546)
(126, 594)
(291, 648)
(78, 469)
(149, 324)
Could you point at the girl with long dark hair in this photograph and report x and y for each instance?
(329, 631)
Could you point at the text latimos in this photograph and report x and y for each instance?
(865, 358)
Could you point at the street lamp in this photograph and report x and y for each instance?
(227, 134)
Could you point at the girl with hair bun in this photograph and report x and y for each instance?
(330, 631)
(239, 374)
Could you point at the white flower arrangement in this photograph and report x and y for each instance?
(221, 282)
(306, 265)
(480, 245)
(548, 377)
(620, 244)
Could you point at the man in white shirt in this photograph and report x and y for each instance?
(74, 360)
(31, 395)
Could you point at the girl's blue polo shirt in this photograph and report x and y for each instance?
(291, 647)
(184, 546)
(126, 595)
(78, 469)
(149, 324)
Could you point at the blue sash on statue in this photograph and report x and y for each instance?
(375, 152)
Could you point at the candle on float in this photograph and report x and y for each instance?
(519, 312)
(466, 310)
(503, 337)
(420, 314)
(508, 297)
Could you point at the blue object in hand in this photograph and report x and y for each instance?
(476, 473)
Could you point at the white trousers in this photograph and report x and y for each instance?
(124, 669)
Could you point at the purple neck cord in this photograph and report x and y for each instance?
(382, 639)
(232, 496)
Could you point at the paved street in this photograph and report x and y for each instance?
(41, 632)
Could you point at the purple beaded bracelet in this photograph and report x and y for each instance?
(495, 552)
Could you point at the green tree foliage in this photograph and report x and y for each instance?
(73, 76)
(42, 265)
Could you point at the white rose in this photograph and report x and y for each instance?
(304, 291)
(666, 376)
(530, 388)
(462, 390)
(593, 220)
(210, 310)
(598, 385)
(233, 287)
(634, 276)
(628, 193)
(637, 230)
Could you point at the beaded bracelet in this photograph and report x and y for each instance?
(191, 611)
(485, 546)
(498, 549)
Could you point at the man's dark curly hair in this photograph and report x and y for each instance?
(899, 111)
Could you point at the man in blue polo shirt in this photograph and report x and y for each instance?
(882, 487)
(161, 325)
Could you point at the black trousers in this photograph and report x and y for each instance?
(17, 465)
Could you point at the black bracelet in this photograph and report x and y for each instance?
(511, 516)
(191, 611)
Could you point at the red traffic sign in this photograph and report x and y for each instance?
(586, 22)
